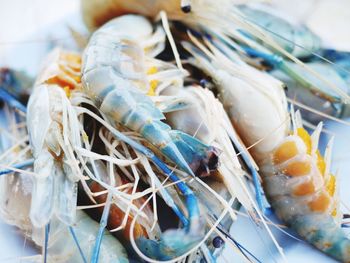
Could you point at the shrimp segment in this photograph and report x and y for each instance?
(53, 131)
(114, 77)
(303, 192)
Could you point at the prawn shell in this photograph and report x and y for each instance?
(303, 194)
(96, 13)
(297, 182)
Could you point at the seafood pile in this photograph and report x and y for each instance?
(173, 120)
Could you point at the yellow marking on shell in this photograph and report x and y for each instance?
(67, 91)
(304, 189)
(73, 58)
(85, 137)
(297, 168)
(304, 135)
(153, 83)
(68, 73)
(284, 152)
(334, 212)
(327, 244)
(72, 61)
(77, 78)
(321, 164)
(17, 149)
(331, 185)
(152, 70)
(320, 204)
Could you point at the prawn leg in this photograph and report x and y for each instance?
(12, 101)
(18, 166)
(46, 241)
(103, 224)
(76, 241)
(52, 127)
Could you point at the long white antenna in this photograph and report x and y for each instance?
(171, 39)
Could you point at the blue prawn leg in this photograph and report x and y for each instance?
(76, 241)
(103, 224)
(18, 166)
(192, 224)
(46, 241)
(12, 101)
(190, 198)
(171, 244)
(13, 85)
(257, 186)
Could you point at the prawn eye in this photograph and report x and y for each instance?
(218, 242)
(203, 83)
(186, 8)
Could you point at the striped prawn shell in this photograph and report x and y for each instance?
(297, 180)
(62, 68)
(303, 193)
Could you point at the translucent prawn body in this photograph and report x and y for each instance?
(290, 37)
(296, 178)
(53, 131)
(114, 77)
(303, 192)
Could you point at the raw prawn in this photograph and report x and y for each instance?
(261, 31)
(114, 76)
(65, 243)
(54, 133)
(234, 82)
(296, 178)
(14, 87)
(298, 40)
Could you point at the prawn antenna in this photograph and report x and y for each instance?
(257, 186)
(237, 244)
(18, 166)
(46, 242)
(71, 230)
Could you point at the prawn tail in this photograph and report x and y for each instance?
(324, 233)
(201, 158)
(52, 194)
(43, 194)
(67, 196)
